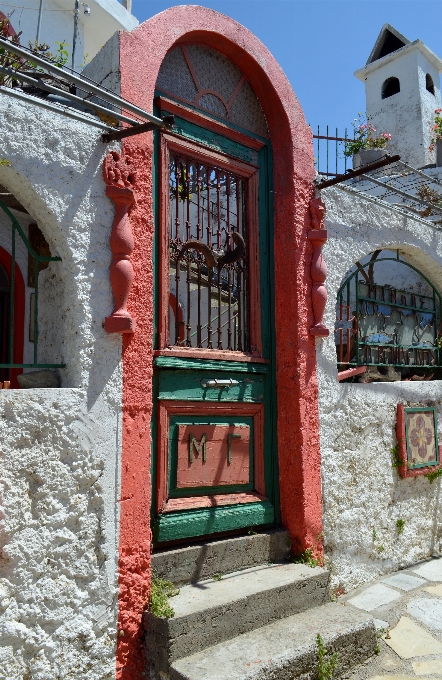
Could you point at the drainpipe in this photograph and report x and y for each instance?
(74, 39)
(40, 12)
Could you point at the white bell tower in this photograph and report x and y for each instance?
(402, 91)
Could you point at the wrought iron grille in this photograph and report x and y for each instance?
(208, 257)
(8, 299)
(329, 157)
(379, 324)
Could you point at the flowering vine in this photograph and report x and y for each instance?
(365, 137)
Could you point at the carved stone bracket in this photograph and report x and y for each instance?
(120, 178)
(318, 270)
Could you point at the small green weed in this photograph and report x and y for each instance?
(5, 162)
(326, 667)
(160, 591)
(377, 649)
(252, 532)
(307, 557)
(435, 474)
(217, 577)
(397, 460)
(374, 535)
(380, 548)
(400, 524)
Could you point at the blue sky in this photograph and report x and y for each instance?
(320, 43)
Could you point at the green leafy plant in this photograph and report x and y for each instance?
(217, 577)
(252, 532)
(380, 548)
(365, 137)
(326, 666)
(374, 535)
(397, 459)
(160, 591)
(400, 524)
(4, 162)
(15, 63)
(434, 474)
(307, 557)
(61, 55)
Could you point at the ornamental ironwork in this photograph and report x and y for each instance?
(378, 324)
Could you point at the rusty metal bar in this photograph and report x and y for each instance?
(138, 129)
(360, 172)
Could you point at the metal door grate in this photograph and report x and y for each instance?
(208, 257)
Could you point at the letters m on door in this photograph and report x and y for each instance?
(213, 455)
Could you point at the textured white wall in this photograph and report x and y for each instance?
(407, 115)
(362, 492)
(60, 448)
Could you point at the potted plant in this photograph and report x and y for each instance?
(367, 146)
(436, 140)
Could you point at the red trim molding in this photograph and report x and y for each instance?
(167, 408)
(200, 119)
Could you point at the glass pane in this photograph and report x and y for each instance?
(208, 305)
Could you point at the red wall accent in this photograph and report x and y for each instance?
(141, 54)
(19, 314)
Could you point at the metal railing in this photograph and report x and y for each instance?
(329, 157)
(378, 324)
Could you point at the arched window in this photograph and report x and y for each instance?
(12, 299)
(429, 83)
(388, 320)
(390, 87)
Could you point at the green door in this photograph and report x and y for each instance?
(214, 459)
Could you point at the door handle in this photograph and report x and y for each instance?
(220, 384)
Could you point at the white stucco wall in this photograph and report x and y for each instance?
(60, 448)
(409, 114)
(362, 492)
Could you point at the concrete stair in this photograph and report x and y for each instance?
(260, 620)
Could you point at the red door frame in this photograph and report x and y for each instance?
(141, 54)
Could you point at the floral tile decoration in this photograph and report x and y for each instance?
(421, 437)
(417, 440)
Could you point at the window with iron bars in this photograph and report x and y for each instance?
(208, 261)
(388, 319)
(10, 299)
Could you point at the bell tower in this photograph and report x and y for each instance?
(402, 90)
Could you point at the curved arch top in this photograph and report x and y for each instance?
(143, 50)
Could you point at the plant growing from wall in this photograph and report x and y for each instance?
(400, 525)
(326, 666)
(365, 137)
(435, 474)
(160, 591)
(436, 129)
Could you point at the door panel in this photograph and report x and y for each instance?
(215, 463)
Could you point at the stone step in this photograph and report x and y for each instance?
(285, 649)
(211, 611)
(201, 561)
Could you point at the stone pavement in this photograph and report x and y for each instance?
(407, 607)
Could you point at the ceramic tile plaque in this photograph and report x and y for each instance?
(213, 455)
(417, 439)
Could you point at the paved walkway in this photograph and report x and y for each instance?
(407, 607)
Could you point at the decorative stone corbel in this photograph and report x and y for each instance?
(318, 270)
(119, 176)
